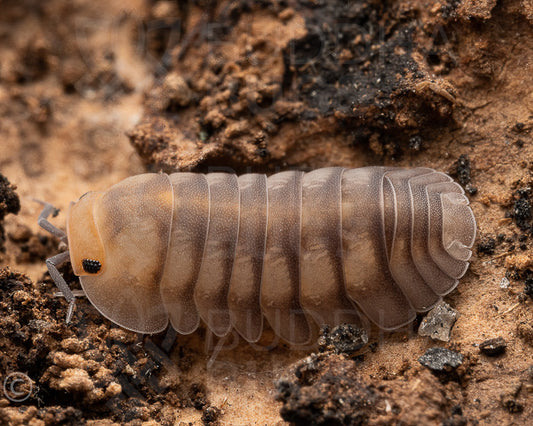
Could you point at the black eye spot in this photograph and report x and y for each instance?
(91, 266)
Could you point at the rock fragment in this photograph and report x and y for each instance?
(438, 322)
(504, 283)
(441, 360)
(493, 347)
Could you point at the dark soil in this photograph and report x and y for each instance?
(104, 372)
(361, 70)
(9, 203)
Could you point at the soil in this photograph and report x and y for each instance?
(94, 91)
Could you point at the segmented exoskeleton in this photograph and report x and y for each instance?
(299, 249)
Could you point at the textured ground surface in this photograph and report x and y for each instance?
(93, 92)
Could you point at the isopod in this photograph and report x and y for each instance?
(297, 249)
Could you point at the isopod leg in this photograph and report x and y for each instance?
(53, 263)
(48, 210)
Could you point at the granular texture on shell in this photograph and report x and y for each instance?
(296, 249)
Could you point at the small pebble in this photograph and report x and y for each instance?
(438, 322)
(493, 347)
(504, 283)
(441, 359)
(415, 143)
(472, 190)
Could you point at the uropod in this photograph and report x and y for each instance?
(296, 250)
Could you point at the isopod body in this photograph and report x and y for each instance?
(297, 249)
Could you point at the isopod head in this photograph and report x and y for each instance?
(118, 243)
(85, 244)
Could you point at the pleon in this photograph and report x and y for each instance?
(322, 292)
(245, 284)
(280, 288)
(438, 280)
(458, 226)
(211, 290)
(186, 248)
(368, 279)
(450, 265)
(401, 264)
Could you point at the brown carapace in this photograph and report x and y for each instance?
(298, 249)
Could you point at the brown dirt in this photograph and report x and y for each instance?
(93, 91)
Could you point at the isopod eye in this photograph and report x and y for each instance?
(91, 266)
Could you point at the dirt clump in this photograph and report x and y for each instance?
(344, 339)
(9, 203)
(109, 371)
(329, 390)
(354, 69)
